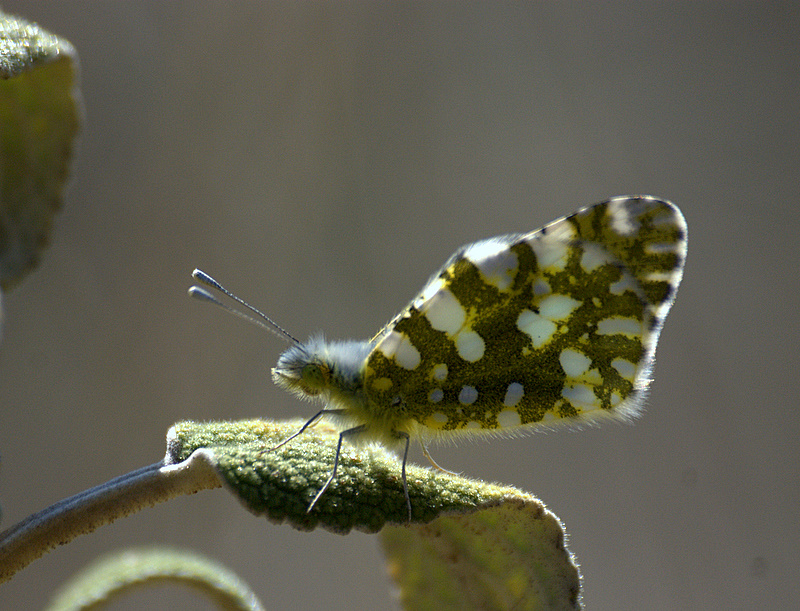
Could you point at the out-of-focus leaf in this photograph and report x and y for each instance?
(115, 574)
(508, 556)
(39, 120)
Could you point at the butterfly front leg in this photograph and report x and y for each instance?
(349, 432)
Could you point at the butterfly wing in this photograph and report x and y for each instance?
(559, 324)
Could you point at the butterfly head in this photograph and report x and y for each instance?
(302, 372)
(330, 371)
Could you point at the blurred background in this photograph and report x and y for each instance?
(322, 160)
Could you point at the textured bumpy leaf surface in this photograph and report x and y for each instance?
(469, 542)
(366, 494)
(39, 119)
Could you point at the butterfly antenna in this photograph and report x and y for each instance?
(262, 320)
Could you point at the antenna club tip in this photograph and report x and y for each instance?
(201, 276)
(263, 320)
(203, 295)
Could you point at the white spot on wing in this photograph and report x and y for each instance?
(444, 312)
(508, 418)
(470, 346)
(398, 346)
(622, 220)
(551, 249)
(537, 327)
(497, 264)
(574, 363)
(561, 230)
(625, 283)
(660, 276)
(557, 307)
(468, 395)
(581, 397)
(435, 396)
(514, 393)
(625, 368)
(620, 326)
(593, 257)
(440, 372)
(439, 417)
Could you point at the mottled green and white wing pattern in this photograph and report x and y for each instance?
(556, 325)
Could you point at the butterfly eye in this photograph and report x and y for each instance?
(314, 378)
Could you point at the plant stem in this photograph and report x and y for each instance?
(81, 514)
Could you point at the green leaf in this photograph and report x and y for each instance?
(469, 544)
(115, 574)
(39, 119)
(366, 494)
(510, 556)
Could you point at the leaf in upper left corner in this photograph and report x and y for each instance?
(39, 120)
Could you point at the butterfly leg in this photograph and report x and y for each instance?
(433, 462)
(311, 422)
(403, 435)
(342, 435)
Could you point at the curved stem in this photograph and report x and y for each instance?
(81, 514)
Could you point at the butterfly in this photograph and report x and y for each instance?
(513, 333)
